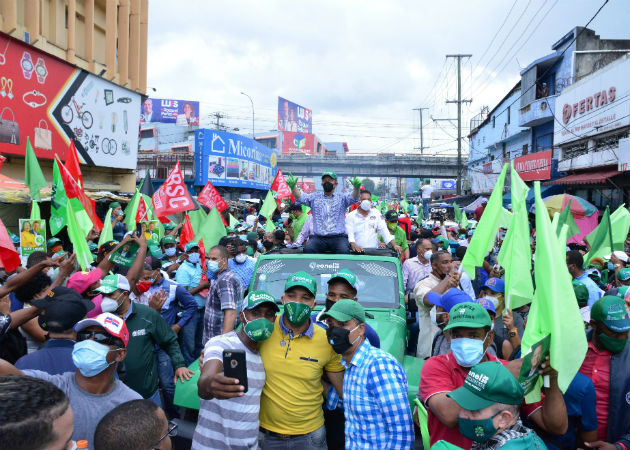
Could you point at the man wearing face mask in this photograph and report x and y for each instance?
(223, 400)
(419, 267)
(242, 265)
(470, 335)
(169, 251)
(400, 237)
(268, 242)
(374, 387)
(296, 356)
(490, 410)
(439, 317)
(606, 364)
(92, 389)
(365, 224)
(329, 212)
(575, 264)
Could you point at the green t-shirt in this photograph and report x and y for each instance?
(400, 238)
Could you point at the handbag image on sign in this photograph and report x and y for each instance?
(43, 136)
(9, 130)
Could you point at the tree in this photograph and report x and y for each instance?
(368, 185)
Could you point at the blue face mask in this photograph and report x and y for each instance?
(243, 237)
(170, 251)
(468, 352)
(611, 266)
(90, 357)
(213, 266)
(194, 258)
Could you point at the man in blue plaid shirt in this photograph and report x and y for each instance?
(374, 385)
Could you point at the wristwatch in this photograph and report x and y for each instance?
(27, 65)
(41, 71)
(513, 332)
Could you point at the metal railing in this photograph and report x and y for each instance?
(160, 165)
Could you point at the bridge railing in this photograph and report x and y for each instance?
(358, 156)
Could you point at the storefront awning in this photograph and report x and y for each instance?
(596, 177)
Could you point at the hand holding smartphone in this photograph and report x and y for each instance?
(235, 366)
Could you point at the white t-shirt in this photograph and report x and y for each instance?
(427, 190)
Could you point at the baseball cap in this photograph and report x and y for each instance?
(347, 276)
(81, 281)
(449, 299)
(611, 311)
(112, 282)
(581, 292)
(391, 215)
(114, 325)
(486, 384)
(230, 230)
(486, 303)
(169, 226)
(623, 274)
(191, 245)
(495, 285)
(440, 241)
(252, 235)
(107, 247)
(596, 262)
(168, 239)
(52, 241)
(622, 291)
(256, 298)
(468, 315)
(347, 309)
(303, 279)
(329, 173)
(622, 256)
(113, 205)
(63, 308)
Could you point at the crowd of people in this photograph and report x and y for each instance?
(91, 359)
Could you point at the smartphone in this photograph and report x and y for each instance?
(235, 366)
(138, 229)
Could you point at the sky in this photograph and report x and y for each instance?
(360, 66)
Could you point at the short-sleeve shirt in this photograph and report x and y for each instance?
(427, 190)
(226, 292)
(596, 366)
(189, 276)
(231, 423)
(291, 401)
(88, 408)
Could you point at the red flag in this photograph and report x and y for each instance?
(72, 164)
(164, 220)
(141, 214)
(187, 234)
(210, 197)
(2, 160)
(9, 257)
(172, 197)
(202, 254)
(281, 187)
(73, 190)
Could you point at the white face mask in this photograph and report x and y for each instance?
(240, 258)
(366, 205)
(494, 300)
(427, 255)
(170, 251)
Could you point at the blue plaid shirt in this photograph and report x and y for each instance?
(244, 271)
(375, 400)
(329, 213)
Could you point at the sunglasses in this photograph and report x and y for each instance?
(172, 432)
(98, 336)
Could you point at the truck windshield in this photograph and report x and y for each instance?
(377, 281)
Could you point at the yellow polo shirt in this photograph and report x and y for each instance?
(291, 400)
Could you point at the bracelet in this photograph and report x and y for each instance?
(32, 103)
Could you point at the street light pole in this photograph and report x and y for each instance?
(252, 101)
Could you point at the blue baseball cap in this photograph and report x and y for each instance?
(495, 284)
(486, 303)
(449, 299)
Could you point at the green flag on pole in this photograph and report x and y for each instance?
(35, 212)
(460, 216)
(58, 201)
(131, 210)
(620, 223)
(232, 221)
(212, 230)
(77, 232)
(33, 176)
(565, 218)
(600, 239)
(554, 310)
(197, 218)
(107, 233)
(268, 206)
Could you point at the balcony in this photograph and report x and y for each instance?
(160, 165)
(538, 112)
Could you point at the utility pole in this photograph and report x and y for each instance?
(218, 116)
(459, 102)
(421, 141)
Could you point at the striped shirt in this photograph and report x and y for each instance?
(231, 423)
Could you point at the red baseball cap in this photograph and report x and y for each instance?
(81, 281)
(114, 325)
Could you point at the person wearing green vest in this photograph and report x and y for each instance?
(297, 216)
(490, 416)
(400, 237)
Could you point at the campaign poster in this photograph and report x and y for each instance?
(32, 236)
(179, 112)
(298, 143)
(293, 117)
(125, 255)
(151, 228)
(532, 362)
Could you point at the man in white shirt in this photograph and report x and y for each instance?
(427, 197)
(364, 225)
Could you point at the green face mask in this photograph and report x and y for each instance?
(249, 251)
(296, 312)
(479, 430)
(613, 345)
(258, 330)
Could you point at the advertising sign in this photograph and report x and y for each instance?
(448, 184)
(298, 143)
(624, 155)
(595, 104)
(293, 117)
(228, 159)
(180, 112)
(52, 102)
(534, 166)
(32, 236)
(150, 228)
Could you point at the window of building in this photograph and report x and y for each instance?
(147, 133)
(503, 150)
(524, 149)
(181, 149)
(508, 111)
(493, 121)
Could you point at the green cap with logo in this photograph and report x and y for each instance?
(468, 315)
(611, 311)
(303, 279)
(113, 282)
(347, 276)
(581, 292)
(622, 291)
(623, 274)
(52, 241)
(168, 239)
(486, 384)
(169, 226)
(256, 298)
(329, 173)
(346, 309)
(191, 245)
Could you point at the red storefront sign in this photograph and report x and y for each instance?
(535, 166)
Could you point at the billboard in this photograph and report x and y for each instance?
(228, 159)
(180, 112)
(293, 142)
(534, 166)
(293, 117)
(52, 102)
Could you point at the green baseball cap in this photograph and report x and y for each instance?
(329, 173)
(622, 291)
(581, 292)
(169, 226)
(468, 315)
(303, 279)
(112, 282)
(347, 276)
(256, 298)
(486, 384)
(252, 235)
(52, 241)
(611, 311)
(190, 245)
(113, 205)
(230, 230)
(346, 309)
(168, 239)
(92, 246)
(623, 274)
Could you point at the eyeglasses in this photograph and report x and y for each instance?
(98, 336)
(172, 432)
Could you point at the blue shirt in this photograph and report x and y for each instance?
(54, 358)
(594, 292)
(178, 298)
(329, 213)
(244, 271)
(189, 276)
(375, 397)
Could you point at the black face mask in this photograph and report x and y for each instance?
(328, 186)
(339, 339)
(268, 245)
(329, 304)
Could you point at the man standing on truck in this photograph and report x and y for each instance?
(365, 224)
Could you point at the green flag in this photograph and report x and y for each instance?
(268, 206)
(58, 201)
(460, 216)
(565, 218)
(483, 239)
(375, 198)
(35, 212)
(554, 310)
(421, 213)
(107, 233)
(212, 230)
(77, 232)
(131, 210)
(197, 218)
(600, 239)
(33, 176)
(620, 223)
(232, 221)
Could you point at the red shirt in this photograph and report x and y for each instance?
(596, 366)
(442, 374)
